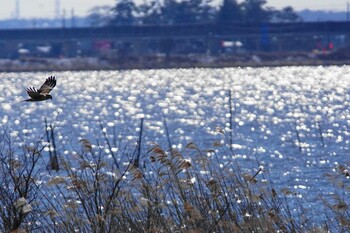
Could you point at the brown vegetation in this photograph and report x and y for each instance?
(191, 190)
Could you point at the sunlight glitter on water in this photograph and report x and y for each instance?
(279, 115)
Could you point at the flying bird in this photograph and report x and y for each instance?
(43, 92)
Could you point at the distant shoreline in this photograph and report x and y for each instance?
(85, 64)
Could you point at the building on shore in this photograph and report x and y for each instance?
(168, 40)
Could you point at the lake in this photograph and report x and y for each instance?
(292, 121)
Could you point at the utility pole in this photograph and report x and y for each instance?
(64, 18)
(17, 14)
(72, 18)
(57, 9)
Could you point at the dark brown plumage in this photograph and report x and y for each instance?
(43, 92)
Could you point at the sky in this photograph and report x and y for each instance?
(46, 8)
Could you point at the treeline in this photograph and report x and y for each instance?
(127, 12)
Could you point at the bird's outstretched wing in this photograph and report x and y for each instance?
(45, 89)
(33, 92)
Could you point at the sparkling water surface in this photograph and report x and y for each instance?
(293, 121)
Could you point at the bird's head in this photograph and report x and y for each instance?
(49, 97)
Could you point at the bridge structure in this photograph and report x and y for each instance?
(189, 38)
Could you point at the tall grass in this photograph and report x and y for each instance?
(94, 188)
